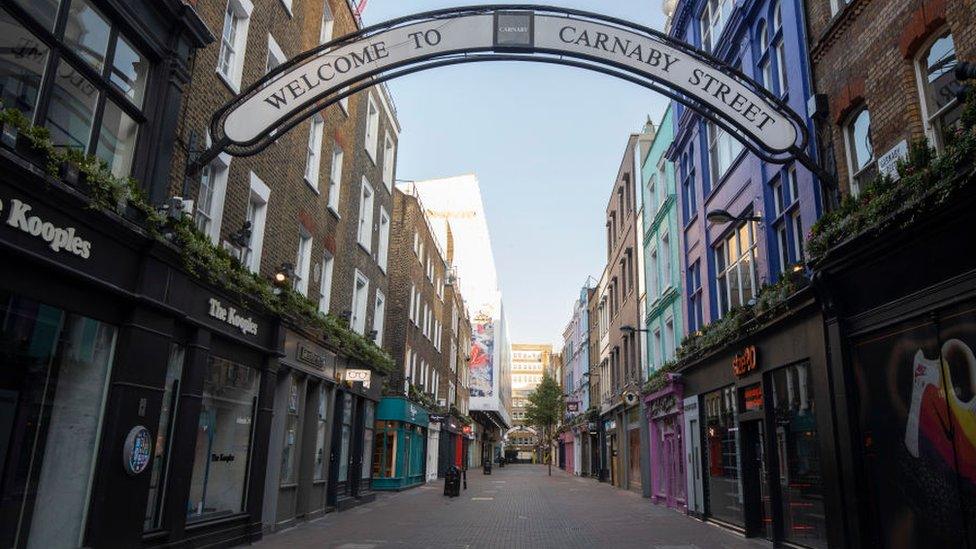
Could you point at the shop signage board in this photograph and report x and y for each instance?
(20, 215)
(362, 376)
(745, 362)
(231, 316)
(752, 397)
(888, 162)
(137, 450)
(324, 75)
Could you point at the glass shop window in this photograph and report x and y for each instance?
(345, 435)
(96, 88)
(53, 380)
(798, 451)
(290, 446)
(939, 87)
(722, 456)
(384, 455)
(321, 429)
(367, 438)
(223, 440)
(160, 461)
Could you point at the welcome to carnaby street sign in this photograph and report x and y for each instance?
(320, 77)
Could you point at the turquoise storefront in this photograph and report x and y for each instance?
(400, 453)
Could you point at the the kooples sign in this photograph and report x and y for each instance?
(231, 316)
(296, 91)
(19, 215)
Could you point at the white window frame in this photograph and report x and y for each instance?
(797, 222)
(389, 159)
(669, 337)
(328, 23)
(325, 282)
(344, 102)
(313, 151)
(383, 247)
(259, 196)
(237, 13)
(665, 261)
(379, 316)
(335, 178)
(712, 27)
(276, 56)
(303, 261)
(367, 201)
(359, 302)
(721, 142)
(287, 5)
(734, 267)
(930, 120)
(217, 173)
(372, 127)
(848, 131)
(782, 242)
(655, 275)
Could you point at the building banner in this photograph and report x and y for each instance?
(917, 415)
(482, 361)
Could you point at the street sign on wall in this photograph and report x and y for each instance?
(322, 76)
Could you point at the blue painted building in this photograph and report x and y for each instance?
(576, 385)
(725, 264)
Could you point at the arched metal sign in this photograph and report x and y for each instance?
(324, 75)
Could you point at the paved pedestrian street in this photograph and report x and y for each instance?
(518, 506)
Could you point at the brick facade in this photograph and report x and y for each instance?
(865, 55)
(294, 205)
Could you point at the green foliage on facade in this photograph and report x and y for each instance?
(201, 257)
(927, 182)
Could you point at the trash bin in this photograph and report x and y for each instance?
(452, 482)
(487, 465)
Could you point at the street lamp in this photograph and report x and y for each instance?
(628, 329)
(723, 216)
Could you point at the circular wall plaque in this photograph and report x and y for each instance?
(137, 451)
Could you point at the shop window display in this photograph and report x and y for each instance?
(367, 438)
(321, 428)
(797, 447)
(55, 371)
(223, 440)
(160, 462)
(345, 437)
(291, 435)
(721, 432)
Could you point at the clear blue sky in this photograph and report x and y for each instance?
(545, 142)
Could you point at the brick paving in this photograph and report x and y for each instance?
(518, 507)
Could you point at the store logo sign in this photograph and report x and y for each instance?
(230, 315)
(359, 375)
(59, 239)
(745, 362)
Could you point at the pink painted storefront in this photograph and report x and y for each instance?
(566, 442)
(665, 420)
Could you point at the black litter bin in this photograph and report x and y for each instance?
(487, 465)
(452, 482)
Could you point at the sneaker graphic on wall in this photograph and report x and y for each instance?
(940, 419)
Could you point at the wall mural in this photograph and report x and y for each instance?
(481, 365)
(917, 415)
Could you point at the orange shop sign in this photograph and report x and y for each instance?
(745, 362)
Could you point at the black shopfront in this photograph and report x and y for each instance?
(765, 429)
(353, 435)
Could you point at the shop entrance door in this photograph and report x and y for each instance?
(672, 460)
(755, 480)
(614, 471)
(341, 455)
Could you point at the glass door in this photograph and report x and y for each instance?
(755, 476)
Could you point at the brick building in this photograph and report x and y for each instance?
(885, 72)
(315, 205)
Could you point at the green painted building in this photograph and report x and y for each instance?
(400, 449)
(662, 266)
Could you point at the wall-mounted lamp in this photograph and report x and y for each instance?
(723, 216)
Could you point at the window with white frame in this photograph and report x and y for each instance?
(372, 126)
(837, 5)
(652, 190)
(765, 67)
(794, 184)
(389, 161)
(257, 211)
(379, 314)
(325, 282)
(735, 265)
(360, 293)
(365, 227)
(723, 149)
(313, 151)
(287, 5)
(782, 242)
(344, 102)
(713, 19)
(383, 248)
(275, 55)
(695, 308)
(303, 261)
(663, 186)
(665, 262)
(413, 300)
(233, 39)
(798, 236)
(328, 22)
(861, 164)
(779, 200)
(654, 275)
(209, 211)
(335, 178)
(669, 338)
(657, 354)
(416, 243)
(939, 88)
(779, 50)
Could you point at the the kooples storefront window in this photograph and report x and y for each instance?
(724, 485)
(798, 453)
(55, 369)
(65, 66)
(223, 440)
(160, 461)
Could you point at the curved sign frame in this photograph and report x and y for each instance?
(327, 74)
